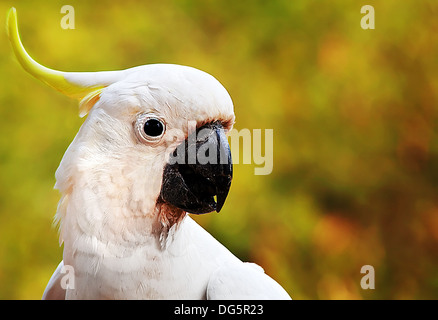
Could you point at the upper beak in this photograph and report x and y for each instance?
(191, 183)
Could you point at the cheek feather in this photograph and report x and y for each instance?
(169, 215)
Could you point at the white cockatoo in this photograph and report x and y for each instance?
(127, 184)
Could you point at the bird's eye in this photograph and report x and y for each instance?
(153, 127)
(149, 127)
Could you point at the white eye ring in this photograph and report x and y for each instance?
(149, 128)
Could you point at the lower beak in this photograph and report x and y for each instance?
(192, 181)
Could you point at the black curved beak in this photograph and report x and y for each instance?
(199, 169)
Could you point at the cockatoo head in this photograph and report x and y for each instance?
(154, 141)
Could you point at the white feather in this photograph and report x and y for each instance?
(114, 237)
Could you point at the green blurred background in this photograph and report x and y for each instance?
(354, 114)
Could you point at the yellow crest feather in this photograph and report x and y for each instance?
(53, 78)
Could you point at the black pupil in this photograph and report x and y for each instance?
(153, 127)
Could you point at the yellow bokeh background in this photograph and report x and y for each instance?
(354, 114)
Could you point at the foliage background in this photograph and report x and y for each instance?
(354, 114)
